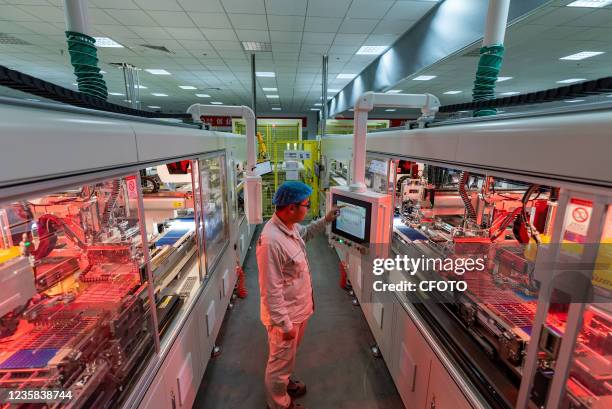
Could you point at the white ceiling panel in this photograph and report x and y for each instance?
(132, 17)
(114, 4)
(350, 39)
(394, 26)
(369, 9)
(210, 20)
(409, 10)
(150, 33)
(99, 16)
(241, 6)
(286, 7)
(180, 33)
(209, 6)
(249, 22)
(13, 13)
(294, 37)
(358, 26)
(213, 34)
(322, 24)
(159, 5)
(326, 8)
(286, 23)
(318, 38)
(172, 18)
(253, 35)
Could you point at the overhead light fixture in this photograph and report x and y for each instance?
(590, 3)
(390, 110)
(102, 72)
(393, 91)
(202, 95)
(217, 103)
(318, 104)
(256, 46)
(371, 49)
(265, 74)
(105, 42)
(571, 80)
(502, 79)
(272, 96)
(275, 109)
(574, 100)
(157, 71)
(116, 93)
(351, 109)
(424, 77)
(141, 87)
(33, 99)
(581, 55)
(314, 109)
(332, 90)
(270, 89)
(153, 106)
(453, 92)
(345, 76)
(158, 94)
(509, 93)
(187, 87)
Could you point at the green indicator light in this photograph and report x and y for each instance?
(28, 244)
(341, 241)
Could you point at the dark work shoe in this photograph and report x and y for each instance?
(295, 388)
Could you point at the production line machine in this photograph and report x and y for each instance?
(506, 341)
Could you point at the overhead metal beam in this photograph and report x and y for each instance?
(448, 28)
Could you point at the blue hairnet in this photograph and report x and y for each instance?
(291, 192)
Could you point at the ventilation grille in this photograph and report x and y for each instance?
(9, 39)
(157, 48)
(256, 46)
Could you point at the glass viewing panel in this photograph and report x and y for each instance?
(170, 220)
(75, 313)
(377, 174)
(216, 230)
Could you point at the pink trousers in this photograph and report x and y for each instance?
(281, 362)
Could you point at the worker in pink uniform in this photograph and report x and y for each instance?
(286, 288)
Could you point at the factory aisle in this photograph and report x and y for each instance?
(334, 360)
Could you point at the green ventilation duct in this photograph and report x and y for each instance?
(84, 59)
(489, 66)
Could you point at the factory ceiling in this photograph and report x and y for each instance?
(200, 44)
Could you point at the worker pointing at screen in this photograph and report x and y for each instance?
(286, 288)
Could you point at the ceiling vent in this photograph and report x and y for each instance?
(256, 46)
(157, 48)
(9, 39)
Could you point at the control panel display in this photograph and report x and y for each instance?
(354, 220)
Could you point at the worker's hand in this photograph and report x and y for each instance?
(288, 336)
(333, 213)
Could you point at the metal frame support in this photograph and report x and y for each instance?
(428, 103)
(254, 89)
(497, 19)
(252, 184)
(324, 69)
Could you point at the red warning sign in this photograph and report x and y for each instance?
(580, 214)
(132, 187)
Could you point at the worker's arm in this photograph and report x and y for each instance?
(270, 263)
(318, 226)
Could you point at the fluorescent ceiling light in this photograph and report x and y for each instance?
(272, 96)
(574, 100)
(75, 83)
(158, 94)
(371, 49)
(453, 92)
(318, 104)
(107, 42)
(424, 78)
(256, 46)
(33, 99)
(314, 109)
(270, 89)
(346, 76)
(590, 3)
(265, 74)
(157, 71)
(581, 55)
(141, 87)
(116, 93)
(217, 103)
(202, 95)
(153, 106)
(351, 109)
(502, 79)
(332, 90)
(510, 93)
(393, 91)
(390, 110)
(102, 72)
(187, 87)
(571, 80)
(275, 109)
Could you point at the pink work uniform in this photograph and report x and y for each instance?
(286, 299)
